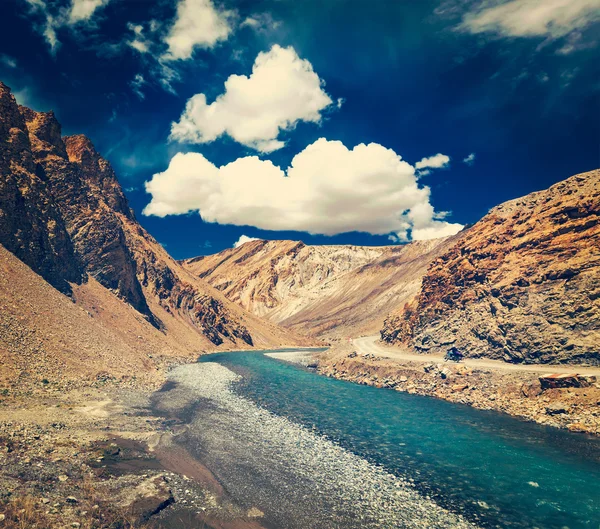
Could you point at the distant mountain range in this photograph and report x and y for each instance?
(324, 291)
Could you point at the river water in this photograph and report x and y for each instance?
(313, 452)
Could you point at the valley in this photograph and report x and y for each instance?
(134, 386)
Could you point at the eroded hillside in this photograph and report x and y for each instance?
(319, 290)
(522, 284)
(64, 214)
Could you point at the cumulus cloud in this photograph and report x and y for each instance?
(437, 161)
(470, 160)
(244, 239)
(328, 189)
(198, 24)
(531, 18)
(282, 90)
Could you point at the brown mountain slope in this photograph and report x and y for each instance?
(319, 290)
(523, 284)
(64, 214)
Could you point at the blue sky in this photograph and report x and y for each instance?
(399, 120)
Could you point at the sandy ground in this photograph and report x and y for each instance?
(99, 456)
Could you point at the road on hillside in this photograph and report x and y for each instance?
(372, 345)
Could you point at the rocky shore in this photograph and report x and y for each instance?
(292, 475)
(96, 456)
(517, 393)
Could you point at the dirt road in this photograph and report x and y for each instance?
(371, 344)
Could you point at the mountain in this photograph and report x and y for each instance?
(326, 291)
(64, 214)
(522, 284)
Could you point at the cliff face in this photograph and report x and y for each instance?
(320, 290)
(31, 225)
(522, 284)
(75, 175)
(63, 213)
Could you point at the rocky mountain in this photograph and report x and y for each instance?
(327, 291)
(64, 214)
(522, 284)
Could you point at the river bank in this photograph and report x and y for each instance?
(294, 476)
(517, 393)
(95, 455)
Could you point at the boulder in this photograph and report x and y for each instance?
(566, 381)
(556, 408)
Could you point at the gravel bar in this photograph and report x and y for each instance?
(297, 478)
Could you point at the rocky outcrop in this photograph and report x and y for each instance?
(75, 179)
(321, 290)
(64, 213)
(31, 224)
(522, 284)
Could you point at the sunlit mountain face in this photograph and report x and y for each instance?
(332, 122)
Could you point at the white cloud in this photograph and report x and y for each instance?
(8, 61)
(281, 91)
(531, 18)
(51, 17)
(136, 85)
(244, 239)
(470, 160)
(261, 23)
(198, 23)
(82, 10)
(328, 189)
(437, 161)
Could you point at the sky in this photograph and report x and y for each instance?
(367, 122)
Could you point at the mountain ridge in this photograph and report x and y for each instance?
(316, 289)
(63, 214)
(522, 284)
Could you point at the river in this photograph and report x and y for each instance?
(313, 452)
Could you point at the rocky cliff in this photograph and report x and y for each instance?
(333, 291)
(64, 214)
(522, 284)
(31, 225)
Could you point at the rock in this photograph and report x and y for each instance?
(556, 408)
(459, 387)
(2, 517)
(72, 500)
(531, 389)
(253, 512)
(430, 368)
(63, 478)
(566, 381)
(147, 499)
(577, 427)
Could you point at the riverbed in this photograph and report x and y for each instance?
(308, 451)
